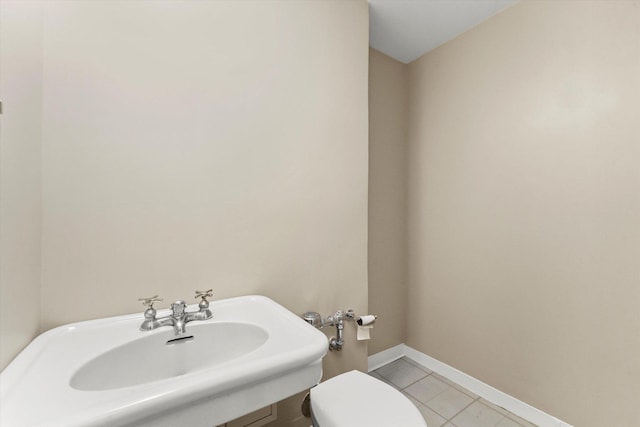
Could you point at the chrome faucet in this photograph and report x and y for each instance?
(179, 317)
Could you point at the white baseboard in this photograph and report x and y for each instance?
(386, 356)
(493, 395)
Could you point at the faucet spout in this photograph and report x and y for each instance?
(179, 316)
(179, 326)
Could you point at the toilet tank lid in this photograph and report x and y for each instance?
(355, 399)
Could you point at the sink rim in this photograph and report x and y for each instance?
(276, 356)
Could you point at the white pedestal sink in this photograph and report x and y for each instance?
(106, 372)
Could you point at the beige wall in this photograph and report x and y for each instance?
(192, 145)
(189, 145)
(524, 207)
(20, 175)
(387, 199)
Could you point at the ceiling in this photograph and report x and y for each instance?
(407, 29)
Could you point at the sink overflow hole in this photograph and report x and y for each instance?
(180, 340)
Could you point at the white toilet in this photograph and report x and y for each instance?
(355, 399)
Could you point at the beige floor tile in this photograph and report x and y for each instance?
(401, 373)
(455, 385)
(431, 418)
(477, 415)
(465, 391)
(443, 379)
(506, 422)
(426, 389)
(449, 402)
(494, 407)
(412, 399)
(374, 374)
(520, 421)
(414, 363)
(383, 379)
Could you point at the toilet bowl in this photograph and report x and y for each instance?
(355, 399)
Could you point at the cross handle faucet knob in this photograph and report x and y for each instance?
(204, 294)
(148, 302)
(204, 304)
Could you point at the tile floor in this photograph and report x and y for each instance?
(442, 402)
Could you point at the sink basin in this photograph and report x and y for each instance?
(160, 356)
(106, 372)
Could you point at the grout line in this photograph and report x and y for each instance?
(428, 375)
(418, 380)
(450, 384)
(431, 375)
(461, 410)
(412, 364)
(515, 407)
(416, 364)
(425, 403)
